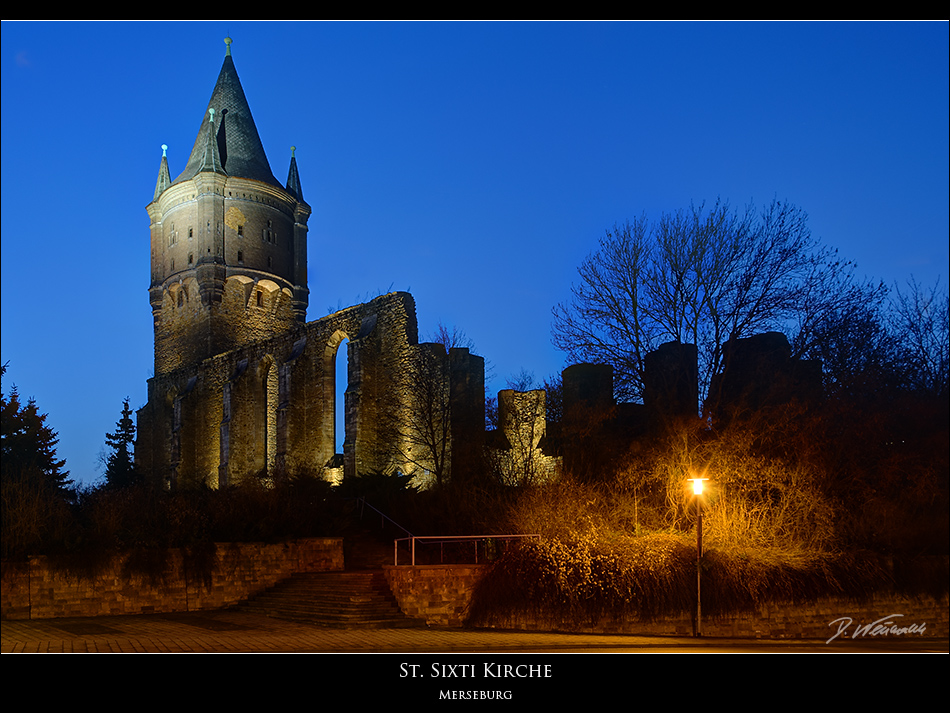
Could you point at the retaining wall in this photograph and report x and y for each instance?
(38, 590)
(441, 594)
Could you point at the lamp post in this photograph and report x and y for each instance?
(698, 491)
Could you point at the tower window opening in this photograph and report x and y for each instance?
(241, 256)
(191, 258)
(260, 299)
(191, 233)
(240, 231)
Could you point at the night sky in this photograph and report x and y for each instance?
(472, 164)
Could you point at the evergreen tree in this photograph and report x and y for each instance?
(35, 489)
(28, 446)
(120, 464)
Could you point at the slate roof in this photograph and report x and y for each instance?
(164, 178)
(236, 147)
(293, 177)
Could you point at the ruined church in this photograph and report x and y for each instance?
(243, 385)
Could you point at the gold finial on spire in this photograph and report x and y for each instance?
(292, 149)
(227, 41)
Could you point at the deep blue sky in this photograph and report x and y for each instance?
(474, 164)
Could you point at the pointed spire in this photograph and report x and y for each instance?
(164, 178)
(293, 178)
(238, 146)
(210, 161)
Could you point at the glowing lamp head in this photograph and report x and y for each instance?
(697, 485)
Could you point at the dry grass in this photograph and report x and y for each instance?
(626, 545)
(654, 575)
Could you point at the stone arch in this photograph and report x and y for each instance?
(332, 413)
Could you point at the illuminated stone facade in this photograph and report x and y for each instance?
(518, 451)
(243, 385)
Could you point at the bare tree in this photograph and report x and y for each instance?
(921, 321)
(426, 432)
(701, 276)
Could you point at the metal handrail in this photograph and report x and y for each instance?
(384, 516)
(449, 538)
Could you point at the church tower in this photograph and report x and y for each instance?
(228, 241)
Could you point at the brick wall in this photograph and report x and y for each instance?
(36, 590)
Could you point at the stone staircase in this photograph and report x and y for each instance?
(338, 599)
(357, 597)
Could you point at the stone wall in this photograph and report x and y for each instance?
(811, 620)
(516, 450)
(37, 590)
(270, 407)
(441, 594)
(759, 372)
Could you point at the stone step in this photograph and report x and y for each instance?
(350, 599)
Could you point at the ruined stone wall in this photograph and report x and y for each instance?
(467, 394)
(269, 408)
(671, 381)
(759, 372)
(522, 426)
(439, 408)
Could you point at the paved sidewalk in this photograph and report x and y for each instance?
(236, 632)
(227, 631)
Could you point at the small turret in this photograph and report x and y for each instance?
(293, 177)
(164, 177)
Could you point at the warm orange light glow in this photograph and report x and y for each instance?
(697, 485)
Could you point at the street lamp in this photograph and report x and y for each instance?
(698, 490)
